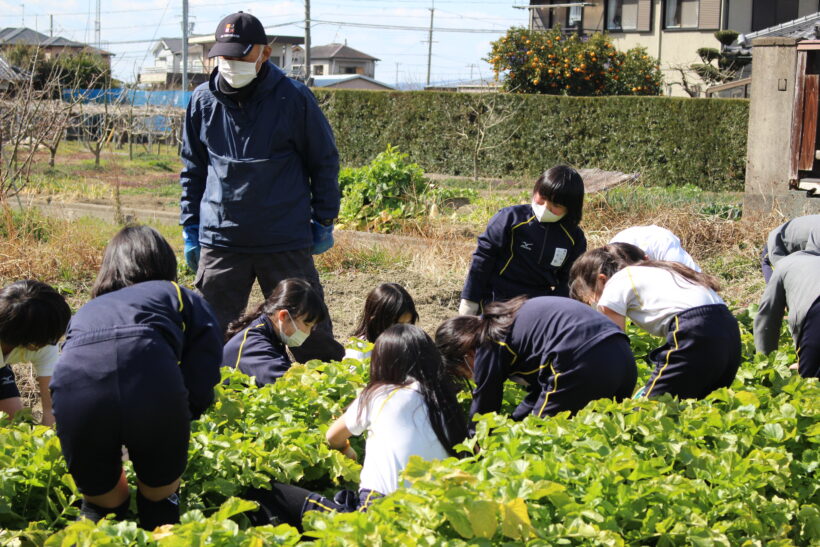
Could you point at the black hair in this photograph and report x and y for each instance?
(134, 255)
(295, 295)
(613, 257)
(383, 307)
(32, 313)
(458, 336)
(563, 185)
(404, 353)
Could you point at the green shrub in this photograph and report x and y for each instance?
(670, 141)
(390, 188)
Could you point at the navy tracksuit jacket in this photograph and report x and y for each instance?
(257, 351)
(253, 176)
(517, 255)
(137, 365)
(563, 351)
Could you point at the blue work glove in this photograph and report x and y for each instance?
(322, 237)
(190, 235)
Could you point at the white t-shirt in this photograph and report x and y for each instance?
(651, 296)
(397, 427)
(43, 359)
(658, 244)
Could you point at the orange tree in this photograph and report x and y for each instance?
(554, 63)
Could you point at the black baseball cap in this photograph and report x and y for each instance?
(236, 35)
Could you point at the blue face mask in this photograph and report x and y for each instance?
(297, 338)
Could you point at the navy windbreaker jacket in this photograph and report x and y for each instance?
(253, 176)
(181, 317)
(517, 255)
(547, 336)
(257, 351)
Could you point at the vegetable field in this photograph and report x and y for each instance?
(738, 468)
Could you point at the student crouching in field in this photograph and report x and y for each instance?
(408, 408)
(139, 363)
(386, 305)
(657, 244)
(788, 238)
(563, 352)
(258, 341)
(795, 284)
(702, 350)
(33, 317)
(529, 249)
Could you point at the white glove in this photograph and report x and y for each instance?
(468, 307)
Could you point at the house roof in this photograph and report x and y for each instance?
(174, 45)
(802, 28)
(333, 79)
(8, 73)
(339, 51)
(29, 37)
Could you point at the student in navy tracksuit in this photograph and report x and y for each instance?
(139, 363)
(565, 353)
(386, 305)
(257, 341)
(529, 249)
(702, 351)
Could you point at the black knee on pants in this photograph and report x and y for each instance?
(95, 513)
(157, 513)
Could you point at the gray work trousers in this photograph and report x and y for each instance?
(225, 279)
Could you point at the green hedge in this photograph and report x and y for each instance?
(670, 141)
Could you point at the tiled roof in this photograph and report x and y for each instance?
(339, 51)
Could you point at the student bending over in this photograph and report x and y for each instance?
(563, 352)
(408, 408)
(702, 350)
(788, 238)
(386, 305)
(33, 317)
(795, 285)
(257, 341)
(529, 249)
(139, 363)
(657, 243)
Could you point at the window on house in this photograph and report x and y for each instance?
(349, 70)
(622, 15)
(319, 70)
(575, 17)
(681, 13)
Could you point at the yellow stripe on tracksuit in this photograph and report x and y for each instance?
(569, 236)
(512, 241)
(363, 507)
(242, 345)
(330, 509)
(555, 376)
(668, 353)
(508, 348)
(179, 298)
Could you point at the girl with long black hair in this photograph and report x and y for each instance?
(386, 305)
(256, 342)
(565, 354)
(408, 408)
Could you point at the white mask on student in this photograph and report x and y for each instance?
(543, 214)
(297, 338)
(238, 73)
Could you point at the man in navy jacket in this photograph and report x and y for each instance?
(260, 186)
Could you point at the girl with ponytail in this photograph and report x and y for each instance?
(702, 350)
(562, 351)
(256, 342)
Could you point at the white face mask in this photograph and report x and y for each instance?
(296, 339)
(542, 214)
(238, 73)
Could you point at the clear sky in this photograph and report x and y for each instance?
(128, 29)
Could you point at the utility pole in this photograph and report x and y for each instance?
(307, 42)
(430, 42)
(185, 30)
(51, 26)
(22, 15)
(97, 38)
(397, 74)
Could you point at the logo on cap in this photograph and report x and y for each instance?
(229, 28)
